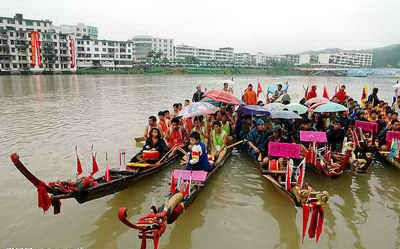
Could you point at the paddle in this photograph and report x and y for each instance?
(140, 139)
(234, 144)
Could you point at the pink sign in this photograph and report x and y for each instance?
(197, 175)
(367, 126)
(284, 150)
(390, 135)
(313, 136)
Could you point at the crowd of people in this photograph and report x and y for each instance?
(209, 135)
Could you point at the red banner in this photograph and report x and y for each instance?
(72, 51)
(33, 47)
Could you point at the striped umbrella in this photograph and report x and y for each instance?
(316, 101)
(223, 97)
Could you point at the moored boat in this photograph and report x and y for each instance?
(300, 194)
(185, 187)
(88, 188)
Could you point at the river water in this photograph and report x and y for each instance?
(44, 117)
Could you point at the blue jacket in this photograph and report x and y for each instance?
(198, 158)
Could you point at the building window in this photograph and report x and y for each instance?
(104, 50)
(96, 49)
(11, 34)
(87, 42)
(87, 49)
(96, 43)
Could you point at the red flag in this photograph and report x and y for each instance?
(78, 162)
(107, 174)
(309, 154)
(355, 138)
(259, 90)
(288, 180)
(300, 178)
(95, 167)
(320, 221)
(173, 188)
(306, 93)
(325, 95)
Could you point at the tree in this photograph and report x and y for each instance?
(191, 60)
(150, 56)
(165, 60)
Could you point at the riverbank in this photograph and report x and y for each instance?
(193, 70)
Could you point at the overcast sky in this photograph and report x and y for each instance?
(272, 27)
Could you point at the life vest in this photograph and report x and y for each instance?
(226, 128)
(218, 140)
(189, 125)
(164, 126)
(175, 137)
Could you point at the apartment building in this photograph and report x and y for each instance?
(309, 59)
(203, 55)
(32, 45)
(143, 44)
(346, 59)
(104, 53)
(225, 55)
(244, 59)
(80, 31)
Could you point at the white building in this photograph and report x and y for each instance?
(80, 31)
(244, 59)
(30, 45)
(346, 59)
(104, 53)
(309, 59)
(143, 44)
(225, 55)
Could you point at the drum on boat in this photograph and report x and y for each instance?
(151, 154)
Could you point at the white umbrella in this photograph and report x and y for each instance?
(397, 85)
(301, 109)
(275, 107)
(317, 100)
(197, 109)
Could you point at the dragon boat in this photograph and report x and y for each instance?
(89, 188)
(186, 185)
(289, 181)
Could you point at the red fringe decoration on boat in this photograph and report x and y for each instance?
(44, 200)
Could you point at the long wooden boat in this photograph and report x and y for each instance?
(300, 194)
(153, 225)
(384, 156)
(89, 188)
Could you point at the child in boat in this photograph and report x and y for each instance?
(218, 142)
(198, 158)
(175, 134)
(162, 123)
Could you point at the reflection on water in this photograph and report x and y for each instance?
(44, 117)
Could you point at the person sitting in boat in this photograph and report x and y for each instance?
(198, 158)
(277, 93)
(155, 146)
(395, 126)
(218, 142)
(175, 134)
(277, 136)
(335, 135)
(152, 124)
(257, 140)
(226, 127)
(200, 128)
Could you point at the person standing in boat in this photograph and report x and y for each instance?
(198, 158)
(277, 93)
(198, 95)
(257, 140)
(250, 96)
(162, 123)
(152, 124)
(373, 98)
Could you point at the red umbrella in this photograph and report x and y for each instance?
(223, 97)
(312, 108)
